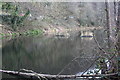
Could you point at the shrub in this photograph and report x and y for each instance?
(14, 16)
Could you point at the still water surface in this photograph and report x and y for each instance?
(51, 54)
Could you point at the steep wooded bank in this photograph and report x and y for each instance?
(56, 17)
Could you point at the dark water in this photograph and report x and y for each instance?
(50, 55)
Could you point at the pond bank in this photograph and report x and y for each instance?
(8, 32)
(52, 30)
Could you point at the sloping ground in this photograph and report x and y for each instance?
(50, 30)
(58, 18)
(5, 30)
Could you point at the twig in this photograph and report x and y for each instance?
(98, 57)
(68, 65)
(108, 61)
(99, 45)
(90, 65)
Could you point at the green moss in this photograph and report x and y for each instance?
(2, 34)
(33, 32)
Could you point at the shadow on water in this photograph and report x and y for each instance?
(49, 55)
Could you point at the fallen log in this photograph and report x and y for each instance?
(48, 76)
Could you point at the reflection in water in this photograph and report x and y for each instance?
(49, 55)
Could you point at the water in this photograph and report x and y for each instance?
(50, 54)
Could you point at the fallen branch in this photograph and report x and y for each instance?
(48, 76)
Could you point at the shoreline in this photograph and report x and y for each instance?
(6, 32)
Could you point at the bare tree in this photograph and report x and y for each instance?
(118, 36)
(107, 22)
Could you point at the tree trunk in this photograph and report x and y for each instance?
(118, 36)
(111, 24)
(107, 22)
(35, 75)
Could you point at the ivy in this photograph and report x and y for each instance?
(16, 18)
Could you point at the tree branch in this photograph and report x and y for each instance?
(48, 76)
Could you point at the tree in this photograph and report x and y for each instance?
(118, 36)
